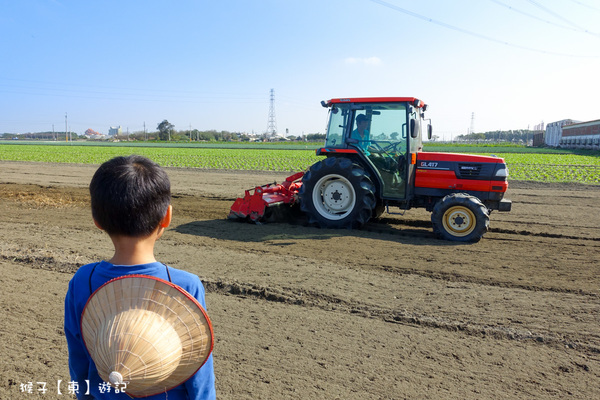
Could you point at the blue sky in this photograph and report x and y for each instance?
(211, 64)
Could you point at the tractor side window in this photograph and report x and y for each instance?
(337, 120)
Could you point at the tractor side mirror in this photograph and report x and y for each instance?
(429, 131)
(413, 129)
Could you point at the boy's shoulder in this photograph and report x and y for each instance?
(181, 273)
(84, 271)
(190, 282)
(80, 285)
(184, 278)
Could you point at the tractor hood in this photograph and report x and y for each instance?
(481, 175)
(457, 157)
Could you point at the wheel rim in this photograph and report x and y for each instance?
(459, 221)
(334, 197)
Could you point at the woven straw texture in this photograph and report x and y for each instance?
(145, 332)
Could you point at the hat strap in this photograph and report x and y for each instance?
(90, 279)
(168, 273)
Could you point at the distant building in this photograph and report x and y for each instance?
(584, 135)
(554, 132)
(92, 134)
(114, 131)
(538, 139)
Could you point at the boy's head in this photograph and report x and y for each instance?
(130, 196)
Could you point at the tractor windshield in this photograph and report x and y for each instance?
(339, 118)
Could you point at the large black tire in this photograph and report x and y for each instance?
(460, 217)
(378, 210)
(337, 193)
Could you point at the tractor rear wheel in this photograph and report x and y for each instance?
(337, 193)
(460, 217)
(378, 210)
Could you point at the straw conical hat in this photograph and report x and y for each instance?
(146, 333)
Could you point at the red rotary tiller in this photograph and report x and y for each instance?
(256, 202)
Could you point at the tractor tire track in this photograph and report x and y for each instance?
(389, 226)
(315, 299)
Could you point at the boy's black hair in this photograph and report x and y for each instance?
(130, 196)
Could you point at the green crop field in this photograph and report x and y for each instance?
(523, 163)
(266, 159)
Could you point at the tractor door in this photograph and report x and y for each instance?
(387, 144)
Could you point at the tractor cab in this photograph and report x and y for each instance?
(382, 133)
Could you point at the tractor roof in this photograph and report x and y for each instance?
(413, 100)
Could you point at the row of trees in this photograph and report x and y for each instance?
(165, 131)
(59, 136)
(521, 135)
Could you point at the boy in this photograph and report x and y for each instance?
(131, 199)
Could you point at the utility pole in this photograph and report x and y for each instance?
(66, 136)
(145, 137)
(472, 128)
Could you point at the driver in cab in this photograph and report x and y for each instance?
(361, 133)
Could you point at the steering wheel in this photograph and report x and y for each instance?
(389, 160)
(392, 147)
(375, 147)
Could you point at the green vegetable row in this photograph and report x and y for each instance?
(522, 166)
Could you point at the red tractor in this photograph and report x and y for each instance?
(374, 160)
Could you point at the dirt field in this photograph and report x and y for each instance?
(388, 312)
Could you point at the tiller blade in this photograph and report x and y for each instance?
(256, 202)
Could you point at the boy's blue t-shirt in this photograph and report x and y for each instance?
(199, 387)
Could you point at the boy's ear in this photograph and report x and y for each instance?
(97, 224)
(166, 221)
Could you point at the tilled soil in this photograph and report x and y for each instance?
(387, 312)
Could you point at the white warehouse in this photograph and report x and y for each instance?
(554, 132)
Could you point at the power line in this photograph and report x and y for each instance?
(541, 7)
(544, 20)
(32, 87)
(586, 5)
(474, 34)
(99, 95)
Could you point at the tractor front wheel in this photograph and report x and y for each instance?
(337, 193)
(460, 217)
